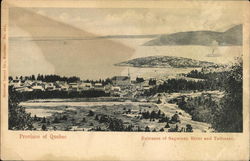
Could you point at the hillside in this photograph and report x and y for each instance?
(164, 62)
(230, 37)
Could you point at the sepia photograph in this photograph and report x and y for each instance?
(125, 80)
(125, 69)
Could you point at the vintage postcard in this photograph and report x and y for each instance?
(124, 80)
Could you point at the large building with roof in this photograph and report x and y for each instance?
(121, 81)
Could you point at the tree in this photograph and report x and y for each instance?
(152, 82)
(145, 115)
(153, 115)
(147, 129)
(229, 118)
(96, 117)
(139, 80)
(175, 118)
(39, 77)
(56, 120)
(116, 125)
(35, 118)
(18, 118)
(64, 117)
(159, 114)
(43, 120)
(33, 77)
(10, 78)
(91, 113)
(161, 129)
(189, 128)
(44, 128)
(158, 101)
(139, 129)
(167, 125)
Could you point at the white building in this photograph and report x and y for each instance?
(15, 83)
(49, 86)
(37, 87)
(99, 87)
(85, 86)
(74, 87)
(24, 89)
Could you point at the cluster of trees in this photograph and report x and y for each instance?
(18, 119)
(116, 125)
(211, 81)
(152, 115)
(160, 116)
(102, 81)
(54, 78)
(227, 114)
(139, 80)
(48, 78)
(229, 117)
(202, 108)
(207, 75)
(24, 96)
(113, 124)
(152, 82)
(177, 85)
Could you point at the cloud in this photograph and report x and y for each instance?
(111, 21)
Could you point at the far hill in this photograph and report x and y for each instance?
(164, 62)
(231, 37)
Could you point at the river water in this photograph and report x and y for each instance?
(66, 57)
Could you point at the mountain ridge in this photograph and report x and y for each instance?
(230, 37)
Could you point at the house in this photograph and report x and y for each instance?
(27, 83)
(57, 86)
(116, 89)
(37, 87)
(61, 86)
(121, 81)
(15, 83)
(64, 87)
(73, 87)
(146, 87)
(49, 86)
(108, 88)
(24, 89)
(85, 86)
(98, 87)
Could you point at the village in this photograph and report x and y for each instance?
(119, 103)
(118, 86)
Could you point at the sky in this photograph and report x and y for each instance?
(40, 38)
(117, 21)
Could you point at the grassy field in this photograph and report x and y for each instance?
(88, 118)
(82, 115)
